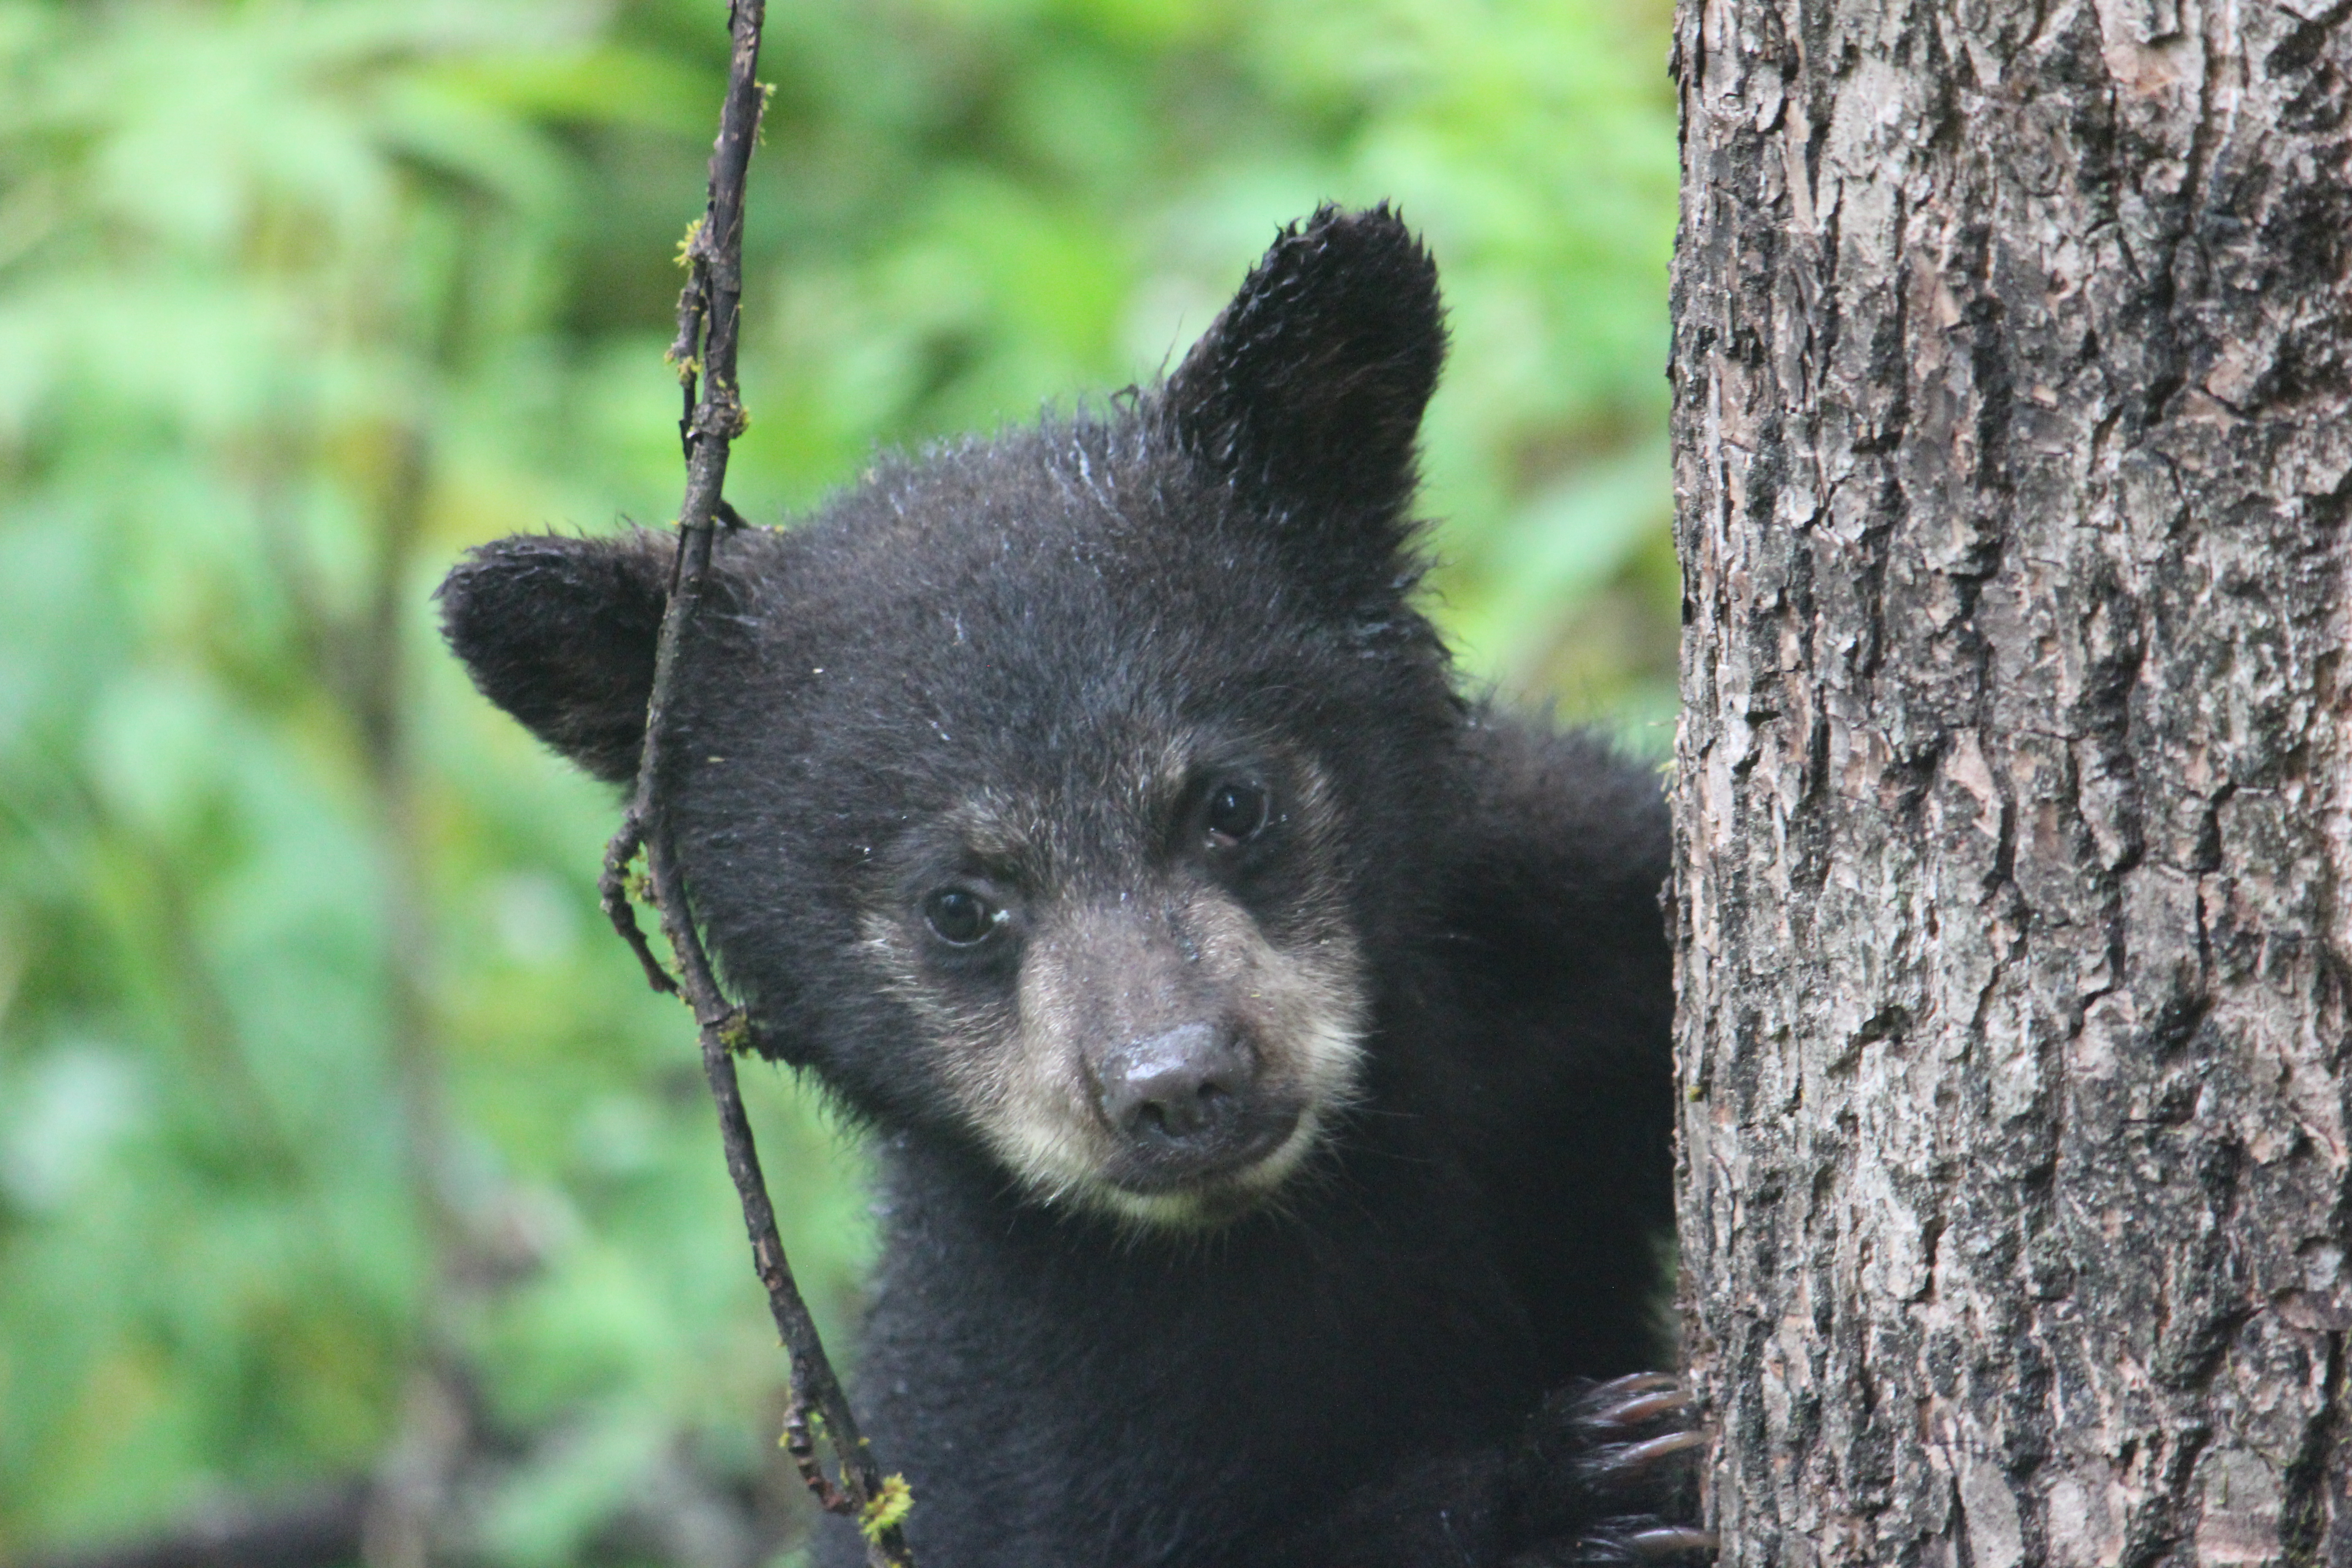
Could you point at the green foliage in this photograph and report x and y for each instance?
(302, 972)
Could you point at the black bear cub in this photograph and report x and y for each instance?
(1266, 1045)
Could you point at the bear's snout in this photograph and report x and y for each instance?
(1187, 1102)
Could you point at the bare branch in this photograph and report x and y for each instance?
(705, 352)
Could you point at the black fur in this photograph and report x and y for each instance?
(1352, 1373)
(560, 634)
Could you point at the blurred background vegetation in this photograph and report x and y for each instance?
(343, 1155)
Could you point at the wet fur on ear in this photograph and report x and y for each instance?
(561, 633)
(1313, 379)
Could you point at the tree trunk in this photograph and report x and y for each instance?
(2013, 420)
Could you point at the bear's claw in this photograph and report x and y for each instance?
(1601, 1479)
(1636, 1401)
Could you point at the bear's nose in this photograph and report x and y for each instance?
(1180, 1091)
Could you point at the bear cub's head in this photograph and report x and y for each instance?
(1071, 794)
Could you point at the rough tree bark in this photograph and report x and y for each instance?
(2013, 422)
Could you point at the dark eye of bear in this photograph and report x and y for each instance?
(961, 916)
(1237, 813)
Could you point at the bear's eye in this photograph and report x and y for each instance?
(961, 917)
(1236, 815)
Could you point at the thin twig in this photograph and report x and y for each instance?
(704, 353)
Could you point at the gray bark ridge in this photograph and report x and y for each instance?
(2012, 369)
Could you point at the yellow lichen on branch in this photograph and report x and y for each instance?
(887, 1507)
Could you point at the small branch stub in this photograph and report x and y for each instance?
(712, 416)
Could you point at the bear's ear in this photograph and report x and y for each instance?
(1313, 379)
(561, 633)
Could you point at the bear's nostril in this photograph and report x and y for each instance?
(1177, 1110)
